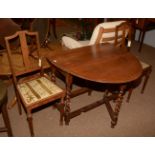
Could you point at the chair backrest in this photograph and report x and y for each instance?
(105, 25)
(115, 35)
(22, 59)
(123, 35)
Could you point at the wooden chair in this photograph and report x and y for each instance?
(115, 35)
(143, 25)
(147, 69)
(121, 36)
(32, 86)
(3, 109)
(71, 43)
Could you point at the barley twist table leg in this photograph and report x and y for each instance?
(118, 102)
(67, 101)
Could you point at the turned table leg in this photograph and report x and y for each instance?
(68, 95)
(118, 102)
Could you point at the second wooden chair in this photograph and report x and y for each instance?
(121, 36)
(32, 86)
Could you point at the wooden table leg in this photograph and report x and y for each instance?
(69, 81)
(53, 22)
(118, 101)
(141, 41)
(47, 38)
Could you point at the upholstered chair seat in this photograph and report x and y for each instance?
(38, 89)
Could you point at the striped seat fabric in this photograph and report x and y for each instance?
(37, 90)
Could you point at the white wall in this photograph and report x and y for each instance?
(149, 38)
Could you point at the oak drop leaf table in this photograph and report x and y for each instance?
(105, 65)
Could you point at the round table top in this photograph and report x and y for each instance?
(5, 68)
(5, 71)
(99, 63)
(3, 93)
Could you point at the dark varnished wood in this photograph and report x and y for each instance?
(143, 25)
(7, 28)
(5, 68)
(104, 64)
(99, 63)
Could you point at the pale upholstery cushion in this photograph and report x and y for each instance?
(38, 89)
(144, 65)
(72, 43)
(84, 42)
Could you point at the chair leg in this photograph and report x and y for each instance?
(30, 123)
(141, 41)
(62, 115)
(147, 75)
(129, 94)
(62, 111)
(19, 107)
(89, 92)
(19, 103)
(140, 34)
(60, 107)
(6, 120)
(54, 28)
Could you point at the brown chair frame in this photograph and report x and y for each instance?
(120, 40)
(145, 75)
(120, 33)
(146, 70)
(28, 74)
